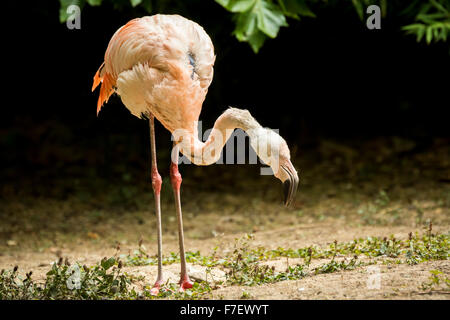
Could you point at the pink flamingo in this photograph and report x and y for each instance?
(162, 66)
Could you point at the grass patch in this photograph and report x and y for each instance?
(437, 281)
(243, 266)
(104, 280)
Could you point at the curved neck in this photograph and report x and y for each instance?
(208, 152)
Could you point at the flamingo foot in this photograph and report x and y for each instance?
(155, 290)
(185, 283)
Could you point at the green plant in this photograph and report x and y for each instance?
(104, 280)
(436, 279)
(245, 295)
(139, 257)
(12, 286)
(432, 21)
(244, 266)
(257, 20)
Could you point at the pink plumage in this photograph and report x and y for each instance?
(147, 63)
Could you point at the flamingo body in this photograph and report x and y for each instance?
(163, 65)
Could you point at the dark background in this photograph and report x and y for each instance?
(323, 78)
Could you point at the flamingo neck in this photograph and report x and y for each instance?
(208, 152)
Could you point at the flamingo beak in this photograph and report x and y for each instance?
(290, 185)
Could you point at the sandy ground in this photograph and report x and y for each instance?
(344, 194)
(395, 281)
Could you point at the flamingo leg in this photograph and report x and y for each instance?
(156, 184)
(175, 177)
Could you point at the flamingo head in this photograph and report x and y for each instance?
(274, 151)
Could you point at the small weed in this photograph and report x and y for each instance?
(245, 268)
(245, 295)
(436, 280)
(138, 258)
(12, 286)
(334, 266)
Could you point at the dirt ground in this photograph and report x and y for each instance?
(348, 194)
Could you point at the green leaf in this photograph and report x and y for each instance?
(134, 3)
(429, 35)
(223, 3)
(383, 5)
(435, 33)
(108, 263)
(245, 25)
(94, 2)
(412, 27)
(51, 272)
(420, 33)
(438, 6)
(444, 34)
(256, 40)
(241, 5)
(237, 5)
(270, 18)
(296, 7)
(359, 8)
(286, 11)
(255, 20)
(247, 30)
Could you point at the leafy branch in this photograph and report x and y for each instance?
(257, 20)
(432, 21)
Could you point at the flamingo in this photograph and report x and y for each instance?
(161, 66)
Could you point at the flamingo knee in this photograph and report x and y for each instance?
(156, 181)
(175, 176)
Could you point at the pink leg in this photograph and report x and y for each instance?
(175, 177)
(156, 184)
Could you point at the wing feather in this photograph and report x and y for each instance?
(158, 42)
